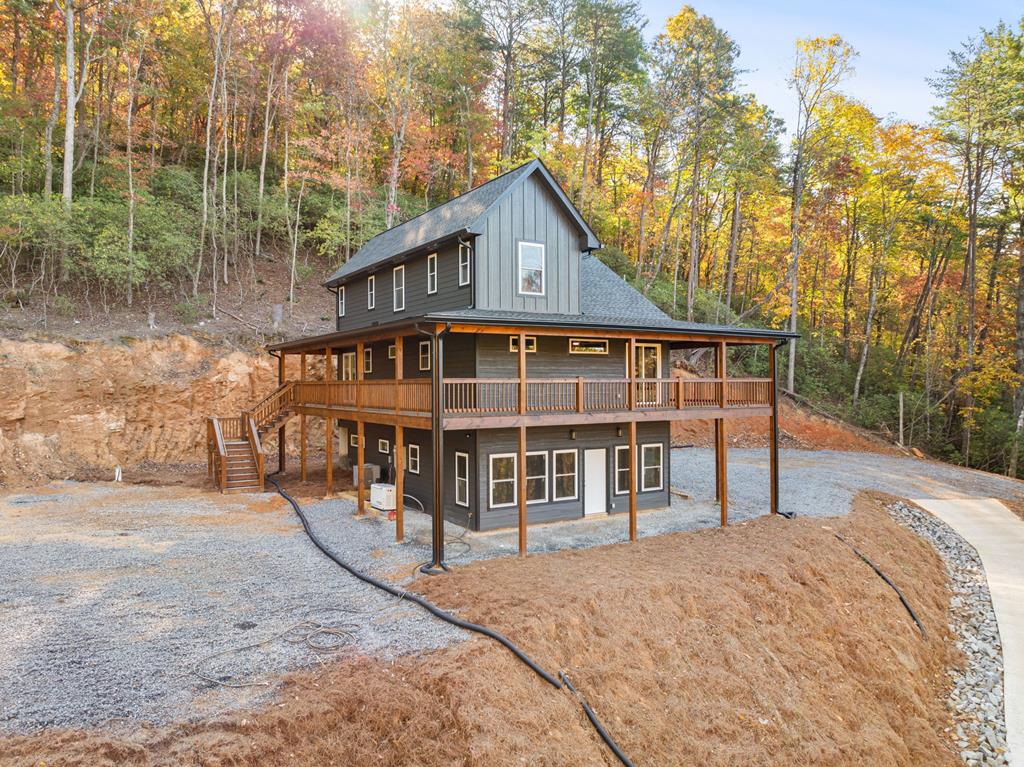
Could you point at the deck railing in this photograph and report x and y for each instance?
(492, 396)
(410, 395)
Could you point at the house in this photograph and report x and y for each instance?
(485, 331)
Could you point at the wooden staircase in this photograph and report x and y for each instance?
(234, 448)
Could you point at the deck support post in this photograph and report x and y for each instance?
(328, 429)
(360, 479)
(281, 432)
(399, 484)
(634, 480)
(437, 564)
(773, 446)
(521, 484)
(721, 447)
(303, 434)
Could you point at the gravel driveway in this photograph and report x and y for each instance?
(122, 603)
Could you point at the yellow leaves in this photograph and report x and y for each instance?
(680, 25)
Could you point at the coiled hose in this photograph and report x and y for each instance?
(455, 621)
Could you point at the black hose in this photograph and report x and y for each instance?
(597, 723)
(888, 580)
(412, 597)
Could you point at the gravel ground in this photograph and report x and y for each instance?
(125, 604)
(976, 700)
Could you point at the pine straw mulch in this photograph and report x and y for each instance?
(767, 643)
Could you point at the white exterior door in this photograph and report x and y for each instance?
(595, 481)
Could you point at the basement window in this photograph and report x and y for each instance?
(621, 469)
(462, 479)
(392, 351)
(650, 467)
(536, 477)
(414, 459)
(353, 440)
(424, 355)
(531, 344)
(383, 447)
(565, 475)
(503, 480)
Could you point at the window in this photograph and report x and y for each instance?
(392, 351)
(398, 284)
(462, 479)
(341, 301)
(650, 467)
(383, 447)
(424, 355)
(432, 273)
(368, 359)
(414, 459)
(588, 346)
(531, 268)
(348, 366)
(622, 471)
(565, 475)
(503, 480)
(353, 440)
(465, 251)
(371, 291)
(536, 477)
(531, 344)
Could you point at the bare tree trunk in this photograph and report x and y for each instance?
(868, 322)
(51, 123)
(1018, 403)
(263, 156)
(734, 241)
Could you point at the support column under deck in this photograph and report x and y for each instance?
(773, 446)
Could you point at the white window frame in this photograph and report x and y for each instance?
(348, 366)
(341, 301)
(543, 270)
(396, 290)
(514, 480)
(575, 475)
(574, 341)
(431, 274)
(547, 477)
(618, 449)
(425, 355)
(383, 447)
(412, 459)
(531, 344)
(392, 351)
(462, 481)
(353, 440)
(641, 456)
(371, 292)
(465, 260)
(367, 359)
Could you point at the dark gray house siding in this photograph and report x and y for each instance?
(549, 438)
(530, 212)
(552, 358)
(449, 295)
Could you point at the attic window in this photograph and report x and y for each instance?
(531, 268)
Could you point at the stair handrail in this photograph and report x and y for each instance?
(264, 411)
(216, 444)
(253, 435)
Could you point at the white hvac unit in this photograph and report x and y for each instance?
(382, 496)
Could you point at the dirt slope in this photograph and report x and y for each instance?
(768, 643)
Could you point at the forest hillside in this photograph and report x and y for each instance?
(190, 164)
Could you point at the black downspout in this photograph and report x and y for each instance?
(437, 564)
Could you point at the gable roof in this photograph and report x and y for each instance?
(460, 215)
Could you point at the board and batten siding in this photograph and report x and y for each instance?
(530, 212)
(449, 295)
(550, 438)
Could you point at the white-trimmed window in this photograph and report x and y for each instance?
(348, 366)
(588, 346)
(368, 359)
(462, 479)
(465, 252)
(392, 351)
(398, 287)
(413, 462)
(371, 291)
(651, 466)
(432, 273)
(531, 268)
(504, 480)
(622, 471)
(537, 477)
(531, 344)
(353, 440)
(383, 447)
(565, 482)
(424, 355)
(341, 301)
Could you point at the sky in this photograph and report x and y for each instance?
(900, 43)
